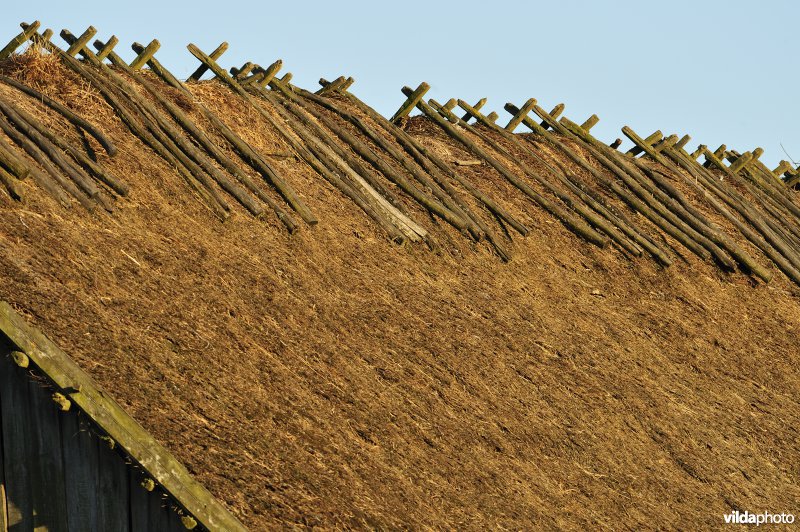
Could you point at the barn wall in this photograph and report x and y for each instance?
(56, 474)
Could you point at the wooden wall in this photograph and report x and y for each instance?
(57, 474)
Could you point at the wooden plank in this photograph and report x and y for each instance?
(80, 467)
(138, 498)
(112, 482)
(46, 463)
(15, 443)
(202, 69)
(114, 421)
(3, 506)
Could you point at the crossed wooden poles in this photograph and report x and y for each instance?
(385, 171)
(768, 220)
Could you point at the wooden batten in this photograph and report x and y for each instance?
(77, 389)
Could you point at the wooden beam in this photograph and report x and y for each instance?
(719, 153)
(701, 149)
(27, 32)
(616, 144)
(239, 73)
(255, 75)
(330, 86)
(411, 102)
(97, 404)
(145, 55)
(782, 168)
(741, 162)
(713, 160)
(202, 69)
(666, 142)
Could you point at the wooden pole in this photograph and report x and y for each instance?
(571, 222)
(286, 191)
(412, 101)
(74, 118)
(435, 166)
(19, 40)
(145, 55)
(81, 41)
(203, 68)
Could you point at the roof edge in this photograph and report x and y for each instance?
(81, 389)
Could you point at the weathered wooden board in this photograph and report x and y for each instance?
(81, 471)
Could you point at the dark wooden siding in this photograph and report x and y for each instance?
(56, 474)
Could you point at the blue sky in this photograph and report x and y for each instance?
(724, 72)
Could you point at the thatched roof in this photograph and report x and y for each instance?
(334, 377)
